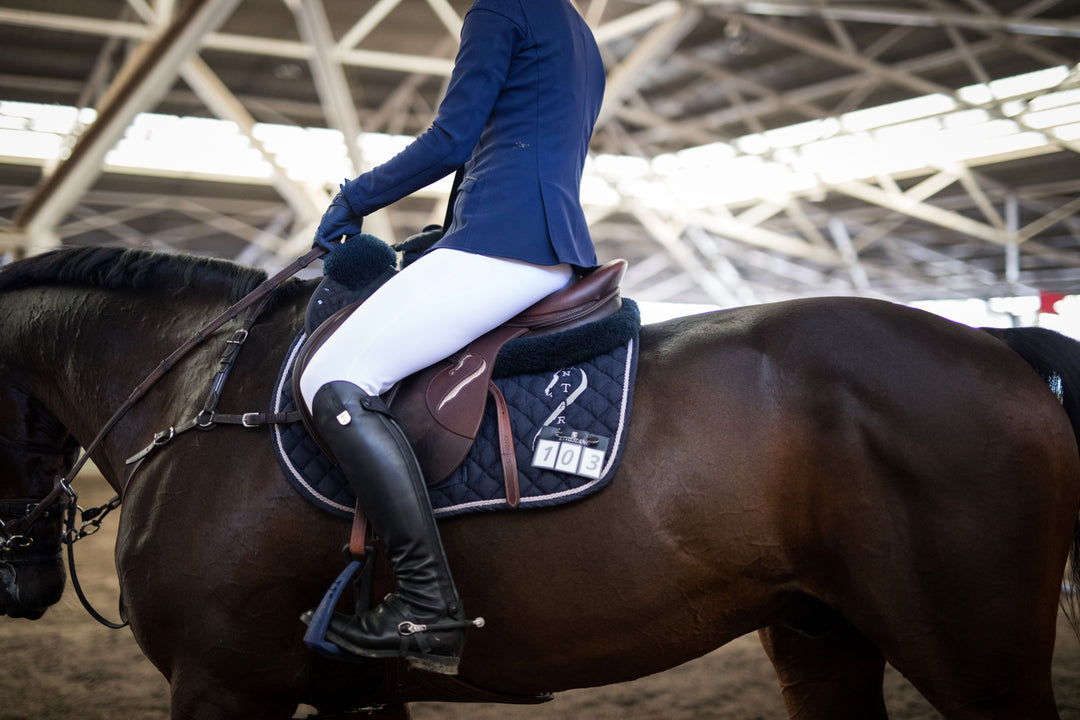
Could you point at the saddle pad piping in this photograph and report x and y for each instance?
(298, 476)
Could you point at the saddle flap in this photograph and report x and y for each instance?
(456, 394)
(440, 408)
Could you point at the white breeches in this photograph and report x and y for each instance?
(427, 312)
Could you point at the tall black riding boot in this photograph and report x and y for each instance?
(422, 620)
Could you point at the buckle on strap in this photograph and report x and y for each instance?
(232, 346)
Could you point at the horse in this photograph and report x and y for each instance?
(859, 482)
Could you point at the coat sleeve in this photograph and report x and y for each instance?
(488, 43)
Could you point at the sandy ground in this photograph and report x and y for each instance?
(66, 665)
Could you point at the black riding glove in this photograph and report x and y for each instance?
(416, 245)
(339, 219)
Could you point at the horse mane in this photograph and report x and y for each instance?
(130, 269)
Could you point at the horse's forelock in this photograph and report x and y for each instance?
(120, 269)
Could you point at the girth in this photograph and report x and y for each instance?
(441, 407)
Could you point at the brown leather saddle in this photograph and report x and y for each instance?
(440, 408)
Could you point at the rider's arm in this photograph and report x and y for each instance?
(488, 43)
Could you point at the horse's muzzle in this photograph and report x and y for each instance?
(30, 586)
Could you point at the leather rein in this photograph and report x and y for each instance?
(14, 534)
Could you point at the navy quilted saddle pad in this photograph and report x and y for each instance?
(569, 425)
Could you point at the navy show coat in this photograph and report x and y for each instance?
(518, 113)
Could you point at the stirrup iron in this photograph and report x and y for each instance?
(362, 573)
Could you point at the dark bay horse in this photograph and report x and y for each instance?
(860, 482)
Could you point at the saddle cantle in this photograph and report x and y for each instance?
(441, 407)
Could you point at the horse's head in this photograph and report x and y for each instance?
(35, 449)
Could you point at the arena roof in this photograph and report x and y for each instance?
(746, 152)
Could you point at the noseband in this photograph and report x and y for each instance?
(15, 534)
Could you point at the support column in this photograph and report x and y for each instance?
(1012, 247)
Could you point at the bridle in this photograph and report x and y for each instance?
(16, 541)
(15, 534)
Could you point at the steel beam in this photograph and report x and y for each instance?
(595, 12)
(668, 236)
(1057, 215)
(742, 293)
(625, 78)
(334, 94)
(333, 88)
(908, 80)
(928, 213)
(368, 22)
(226, 42)
(447, 15)
(307, 202)
(897, 16)
(636, 21)
(760, 237)
(147, 76)
(859, 279)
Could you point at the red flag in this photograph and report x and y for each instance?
(1047, 300)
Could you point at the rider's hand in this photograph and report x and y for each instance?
(416, 245)
(339, 219)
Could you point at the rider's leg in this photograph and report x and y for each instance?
(372, 452)
(430, 310)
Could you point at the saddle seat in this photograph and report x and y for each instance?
(592, 297)
(441, 407)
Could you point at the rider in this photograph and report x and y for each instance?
(518, 113)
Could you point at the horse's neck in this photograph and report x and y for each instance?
(96, 347)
